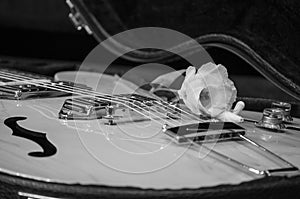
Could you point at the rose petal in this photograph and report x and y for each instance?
(228, 116)
(210, 81)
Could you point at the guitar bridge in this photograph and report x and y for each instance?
(199, 133)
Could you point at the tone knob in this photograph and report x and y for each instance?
(286, 110)
(272, 119)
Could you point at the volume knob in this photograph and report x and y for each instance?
(286, 110)
(272, 119)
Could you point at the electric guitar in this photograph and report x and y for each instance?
(103, 130)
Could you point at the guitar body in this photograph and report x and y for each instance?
(38, 147)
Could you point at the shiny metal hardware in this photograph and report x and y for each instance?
(109, 115)
(77, 19)
(272, 119)
(34, 89)
(83, 108)
(204, 132)
(8, 92)
(23, 195)
(286, 110)
(29, 86)
(249, 169)
(89, 108)
(200, 133)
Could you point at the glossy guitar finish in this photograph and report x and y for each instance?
(131, 153)
(40, 138)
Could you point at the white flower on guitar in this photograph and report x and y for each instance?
(208, 91)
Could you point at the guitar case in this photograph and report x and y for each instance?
(263, 33)
(12, 187)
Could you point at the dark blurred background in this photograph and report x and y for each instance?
(40, 30)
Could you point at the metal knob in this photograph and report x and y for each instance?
(272, 119)
(286, 110)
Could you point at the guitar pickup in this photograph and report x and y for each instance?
(105, 107)
(83, 108)
(205, 132)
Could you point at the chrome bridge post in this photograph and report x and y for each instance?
(109, 115)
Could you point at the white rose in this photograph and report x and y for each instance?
(209, 91)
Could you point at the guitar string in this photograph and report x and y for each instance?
(186, 114)
(155, 110)
(135, 109)
(55, 88)
(167, 106)
(195, 117)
